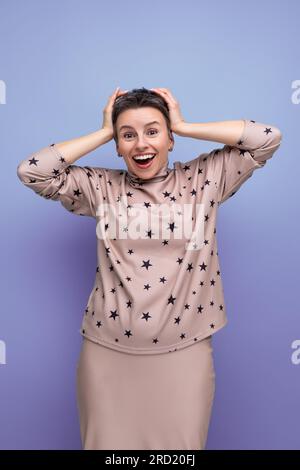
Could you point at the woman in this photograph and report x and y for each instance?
(158, 288)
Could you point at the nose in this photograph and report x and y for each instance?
(141, 142)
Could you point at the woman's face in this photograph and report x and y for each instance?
(138, 134)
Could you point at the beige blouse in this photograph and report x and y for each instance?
(158, 285)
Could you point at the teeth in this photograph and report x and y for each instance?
(144, 157)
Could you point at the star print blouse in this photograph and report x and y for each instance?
(157, 288)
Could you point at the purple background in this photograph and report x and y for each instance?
(60, 61)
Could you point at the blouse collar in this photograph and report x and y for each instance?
(159, 176)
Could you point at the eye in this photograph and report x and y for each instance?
(130, 133)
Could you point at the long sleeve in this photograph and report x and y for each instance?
(48, 174)
(233, 165)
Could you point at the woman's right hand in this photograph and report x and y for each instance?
(107, 111)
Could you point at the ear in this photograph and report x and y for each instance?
(171, 139)
(117, 150)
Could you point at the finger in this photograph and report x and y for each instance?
(167, 95)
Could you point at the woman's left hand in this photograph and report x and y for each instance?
(175, 115)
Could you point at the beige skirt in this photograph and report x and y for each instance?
(148, 402)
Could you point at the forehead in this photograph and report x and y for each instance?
(139, 118)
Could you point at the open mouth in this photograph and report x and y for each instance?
(145, 162)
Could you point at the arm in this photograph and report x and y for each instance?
(50, 174)
(234, 163)
(80, 146)
(226, 132)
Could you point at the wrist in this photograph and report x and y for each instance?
(182, 128)
(104, 135)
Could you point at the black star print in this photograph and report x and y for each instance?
(171, 299)
(179, 260)
(129, 303)
(146, 316)
(162, 279)
(98, 324)
(172, 226)
(206, 182)
(203, 266)
(146, 264)
(177, 320)
(190, 267)
(149, 233)
(76, 192)
(193, 192)
(268, 130)
(186, 167)
(33, 161)
(166, 194)
(127, 333)
(114, 314)
(200, 308)
(147, 286)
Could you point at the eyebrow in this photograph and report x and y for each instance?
(130, 127)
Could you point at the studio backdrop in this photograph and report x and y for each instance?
(60, 61)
